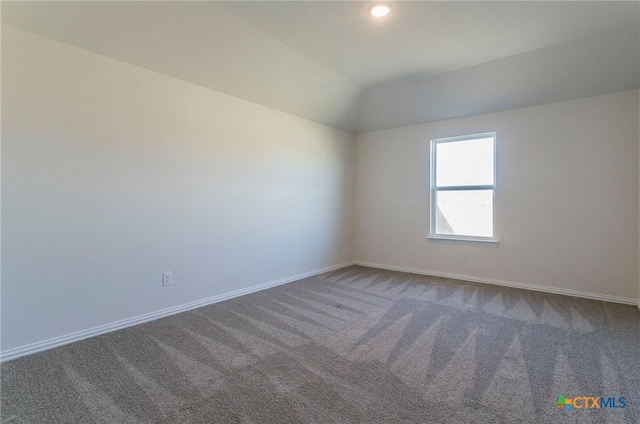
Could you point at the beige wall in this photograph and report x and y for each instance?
(566, 199)
(113, 174)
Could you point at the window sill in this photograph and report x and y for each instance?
(462, 240)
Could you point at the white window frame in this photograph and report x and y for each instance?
(434, 189)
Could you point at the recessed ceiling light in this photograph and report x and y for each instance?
(380, 10)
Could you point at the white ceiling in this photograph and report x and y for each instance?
(426, 37)
(200, 43)
(591, 66)
(329, 62)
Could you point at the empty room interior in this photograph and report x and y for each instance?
(320, 212)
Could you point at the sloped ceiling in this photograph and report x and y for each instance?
(329, 62)
(591, 66)
(200, 43)
(424, 36)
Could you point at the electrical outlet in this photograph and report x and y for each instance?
(465, 255)
(167, 278)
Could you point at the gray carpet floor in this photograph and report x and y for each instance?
(357, 345)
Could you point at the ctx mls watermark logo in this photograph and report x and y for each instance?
(590, 402)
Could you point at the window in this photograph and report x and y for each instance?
(463, 188)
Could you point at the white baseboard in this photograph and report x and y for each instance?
(107, 328)
(546, 289)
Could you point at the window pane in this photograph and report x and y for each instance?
(464, 162)
(465, 213)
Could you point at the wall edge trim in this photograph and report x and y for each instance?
(534, 287)
(140, 319)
